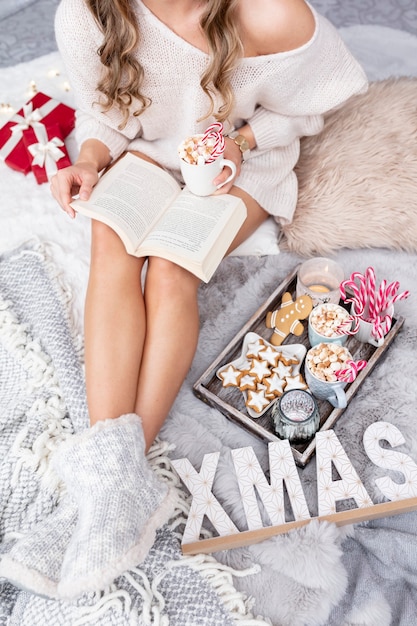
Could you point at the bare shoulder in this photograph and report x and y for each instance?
(271, 26)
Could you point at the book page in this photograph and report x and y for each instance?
(192, 224)
(131, 197)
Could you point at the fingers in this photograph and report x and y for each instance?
(225, 188)
(231, 153)
(225, 175)
(71, 181)
(61, 191)
(86, 188)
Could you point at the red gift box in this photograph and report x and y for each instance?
(46, 151)
(41, 110)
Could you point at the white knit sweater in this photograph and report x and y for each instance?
(282, 96)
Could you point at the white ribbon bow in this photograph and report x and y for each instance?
(29, 119)
(46, 152)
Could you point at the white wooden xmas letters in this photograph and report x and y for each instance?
(283, 470)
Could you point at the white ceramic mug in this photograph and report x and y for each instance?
(199, 178)
(364, 332)
(318, 313)
(331, 391)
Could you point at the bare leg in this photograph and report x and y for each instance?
(171, 340)
(120, 328)
(115, 326)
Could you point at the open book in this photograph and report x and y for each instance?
(153, 216)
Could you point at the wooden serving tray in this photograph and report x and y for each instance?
(230, 400)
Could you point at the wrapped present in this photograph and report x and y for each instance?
(46, 149)
(41, 110)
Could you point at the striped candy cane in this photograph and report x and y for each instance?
(377, 330)
(401, 296)
(214, 132)
(370, 292)
(349, 374)
(215, 128)
(359, 292)
(349, 327)
(387, 322)
(381, 297)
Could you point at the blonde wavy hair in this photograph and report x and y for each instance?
(117, 21)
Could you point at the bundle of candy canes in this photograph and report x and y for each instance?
(370, 303)
(203, 147)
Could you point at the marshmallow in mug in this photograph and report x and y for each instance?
(324, 322)
(195, 151)
(322, 363)
(324, 359)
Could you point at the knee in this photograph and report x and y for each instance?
(108, 253)
(170, 279)
(105, 242)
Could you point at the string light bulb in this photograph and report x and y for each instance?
(5, 107)
(32, 88)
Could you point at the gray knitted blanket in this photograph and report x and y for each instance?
(42, 401)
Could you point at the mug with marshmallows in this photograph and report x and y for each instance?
(321, 364)
(328, 323)
(202, 160)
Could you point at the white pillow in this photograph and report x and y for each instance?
(263, 241)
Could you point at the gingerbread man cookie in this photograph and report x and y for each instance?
(285, 320)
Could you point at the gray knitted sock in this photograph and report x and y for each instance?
(121, 503)
(34, 562)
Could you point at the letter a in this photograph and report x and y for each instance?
(329, 450)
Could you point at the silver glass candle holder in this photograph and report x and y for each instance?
(296, 416)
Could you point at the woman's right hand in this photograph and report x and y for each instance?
(79, 178)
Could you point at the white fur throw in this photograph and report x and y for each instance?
(358, 177)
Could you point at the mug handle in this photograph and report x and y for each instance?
(338, 399)
(230, 165)
(376, 342)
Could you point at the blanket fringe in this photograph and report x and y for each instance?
(153, 600)
(221, 578)
(16, 340)
(50, 411)
(44, 251)
(117, 599)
